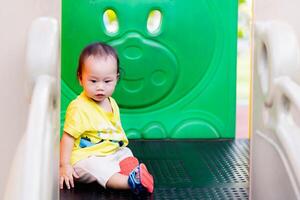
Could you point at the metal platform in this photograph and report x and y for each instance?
(183, 169)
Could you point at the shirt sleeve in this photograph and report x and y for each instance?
(74, 122)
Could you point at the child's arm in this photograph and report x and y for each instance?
(66, 170)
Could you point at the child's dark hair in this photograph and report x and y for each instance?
(96, 49)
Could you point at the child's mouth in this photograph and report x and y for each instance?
(100, 95)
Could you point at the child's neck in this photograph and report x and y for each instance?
(106, 105)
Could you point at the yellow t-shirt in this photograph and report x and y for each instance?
(96, 132)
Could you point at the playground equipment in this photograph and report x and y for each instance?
(275, 138)
(276, 96)
(179, 77)
(34, 171)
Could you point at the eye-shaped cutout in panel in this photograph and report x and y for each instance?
(154, 21)
(110, 21)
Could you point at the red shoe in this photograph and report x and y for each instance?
(146, 178)
(128, 164)
(140, 180)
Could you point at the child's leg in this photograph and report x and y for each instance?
(112, 171)
(84, 176)
(101, 169)
(127, 164)
(139, 178)
(118, 181)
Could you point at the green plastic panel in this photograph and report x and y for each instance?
(179, 82)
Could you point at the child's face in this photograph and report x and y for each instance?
(99, 77)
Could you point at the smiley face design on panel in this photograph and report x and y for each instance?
(149, 68)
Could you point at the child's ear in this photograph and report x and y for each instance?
(118, 76)
(79, 79)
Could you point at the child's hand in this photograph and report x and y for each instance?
(66, 175)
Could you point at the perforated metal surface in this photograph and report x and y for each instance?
(184, 170)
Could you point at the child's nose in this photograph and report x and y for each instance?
(100, 86)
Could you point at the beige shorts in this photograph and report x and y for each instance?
(100, 168)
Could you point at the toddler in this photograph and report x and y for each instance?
(93, 145)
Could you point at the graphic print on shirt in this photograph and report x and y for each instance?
(85, 142)
(112, 134)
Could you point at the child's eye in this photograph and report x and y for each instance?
(93, 81)
(107, 81)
